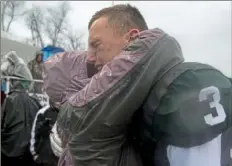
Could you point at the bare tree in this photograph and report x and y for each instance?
(73, 40)
(52, 23)
(11, 11)
(35, 22)
(56, 21)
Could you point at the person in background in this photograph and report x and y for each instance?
(3, 96)
(40, 144)
(35, 66)
(18, 113)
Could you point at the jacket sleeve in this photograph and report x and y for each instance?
(6, 111)
(36, 130)
(56, 143)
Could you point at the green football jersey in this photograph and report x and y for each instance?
(188, 113)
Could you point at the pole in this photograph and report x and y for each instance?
(8, 78)
(112, 3)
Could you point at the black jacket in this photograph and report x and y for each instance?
(40, 146)
(19, 111)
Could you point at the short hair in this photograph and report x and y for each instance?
(123, 17)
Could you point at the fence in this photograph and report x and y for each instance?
(43, 97)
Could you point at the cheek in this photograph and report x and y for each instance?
(103, 51)
(104, 47)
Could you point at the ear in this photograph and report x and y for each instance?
(133, 33)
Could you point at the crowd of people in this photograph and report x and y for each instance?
(129, 100)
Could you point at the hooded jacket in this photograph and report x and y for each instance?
(36, 70)
(95, 118)
(36, 67)
(19, 108)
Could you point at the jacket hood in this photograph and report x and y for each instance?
(13, 65)
(65, 74)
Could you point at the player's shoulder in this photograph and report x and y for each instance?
(196, 85)
(196, 106)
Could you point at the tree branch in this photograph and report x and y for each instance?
(4, 5)
(10, 10)
(35, 22)
(11, 16)
(56, 22)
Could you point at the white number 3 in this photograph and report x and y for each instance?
(209, 119)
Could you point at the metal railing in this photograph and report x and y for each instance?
(43, 98)
(8, 78)
(16, 78)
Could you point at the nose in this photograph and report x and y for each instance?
(92, 58)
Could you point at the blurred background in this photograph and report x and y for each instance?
(202, 28)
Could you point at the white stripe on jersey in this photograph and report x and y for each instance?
(208, 154)
(32, 140)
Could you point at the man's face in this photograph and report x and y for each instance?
(104, 42)
(39, 58)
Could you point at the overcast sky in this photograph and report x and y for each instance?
(202, 28)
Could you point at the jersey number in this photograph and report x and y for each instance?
(203, 95)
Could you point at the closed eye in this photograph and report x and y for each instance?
(95, 44)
